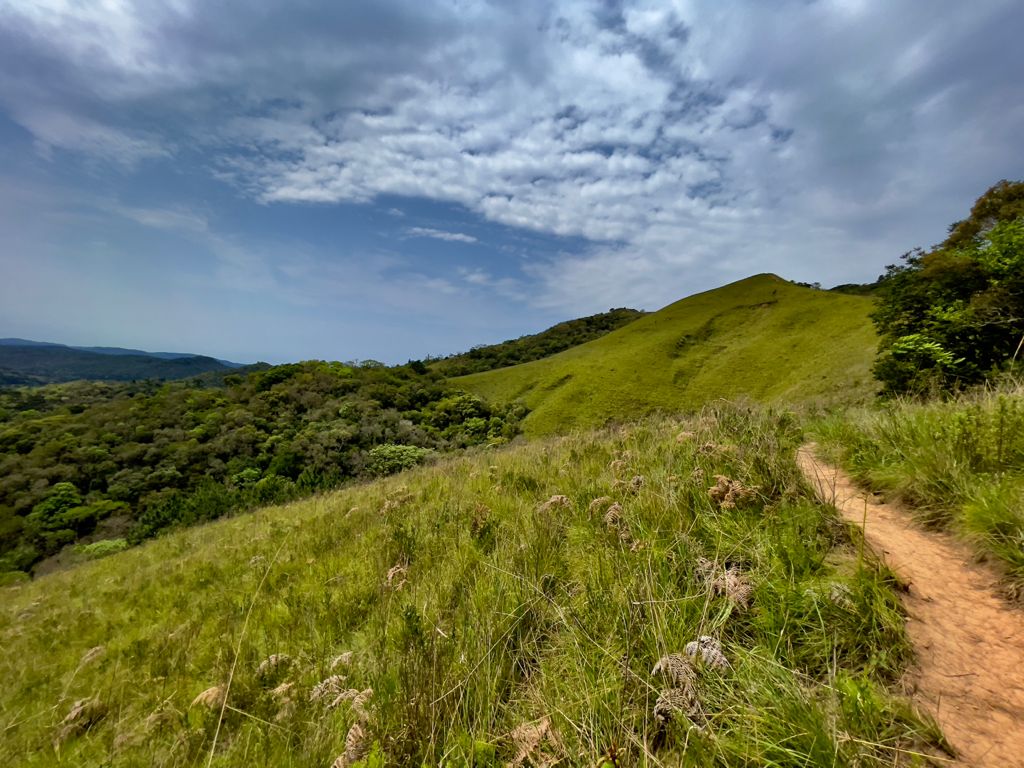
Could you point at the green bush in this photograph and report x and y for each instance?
(390, 458)
(101, 548)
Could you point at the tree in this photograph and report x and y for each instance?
(954, 315)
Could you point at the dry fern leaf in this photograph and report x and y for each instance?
(672, 701)
(327, 690)
(555, 502)
(598, 504)
(83, 714)
(709, 651)
(275, 662)
(529, 740)
(357, 744)
(677, 668)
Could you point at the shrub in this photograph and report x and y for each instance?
(390, 458)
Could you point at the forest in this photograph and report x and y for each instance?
(88, 467)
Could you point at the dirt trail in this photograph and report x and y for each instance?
(969, 643)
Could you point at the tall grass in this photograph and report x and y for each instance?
(958, 462)
(488, 621)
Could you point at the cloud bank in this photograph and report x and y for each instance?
(678, 144)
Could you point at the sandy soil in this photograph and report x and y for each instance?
(969, 642)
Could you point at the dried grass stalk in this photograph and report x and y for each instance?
(211, 698)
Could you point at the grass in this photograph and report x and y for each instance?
(958, 463)
(498, 615)
(763, 338)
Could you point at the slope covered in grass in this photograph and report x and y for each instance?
(762, 337)
(959, 463)
(482, 611)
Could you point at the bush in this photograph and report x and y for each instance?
(101, 548)
(390, 458)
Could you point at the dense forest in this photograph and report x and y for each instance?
(90, 466)
(555, 339)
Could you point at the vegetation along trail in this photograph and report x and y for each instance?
(968, 641)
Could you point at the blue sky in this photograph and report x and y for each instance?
(389, 180)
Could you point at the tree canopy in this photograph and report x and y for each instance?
(953, 315)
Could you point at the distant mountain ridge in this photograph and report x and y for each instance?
(120, 351)
(31, 363)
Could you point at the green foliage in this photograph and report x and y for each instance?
(558, 620)
(131, 460)
(959, 462)
(390, 458)
(101, 548)
(953, 316)
(762, 337)
(555, 339)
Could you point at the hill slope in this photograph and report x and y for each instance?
(478, 624)
(762, 337)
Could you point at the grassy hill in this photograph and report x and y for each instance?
(534, 605)
(762, 337)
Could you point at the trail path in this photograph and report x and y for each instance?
(969, 643)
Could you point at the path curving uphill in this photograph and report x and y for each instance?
(969, 643)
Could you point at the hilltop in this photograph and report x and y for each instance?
(763, 338)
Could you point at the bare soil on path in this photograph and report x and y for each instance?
(969, 642)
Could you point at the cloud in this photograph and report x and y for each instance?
(439, 234)
(678, 144)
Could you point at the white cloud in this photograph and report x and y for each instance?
(686, 142)
(440, 234)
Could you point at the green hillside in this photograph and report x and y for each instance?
(536, 605)
(763, 337)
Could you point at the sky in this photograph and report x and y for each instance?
(389, 180)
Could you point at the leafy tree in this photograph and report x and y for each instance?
(955, 314)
